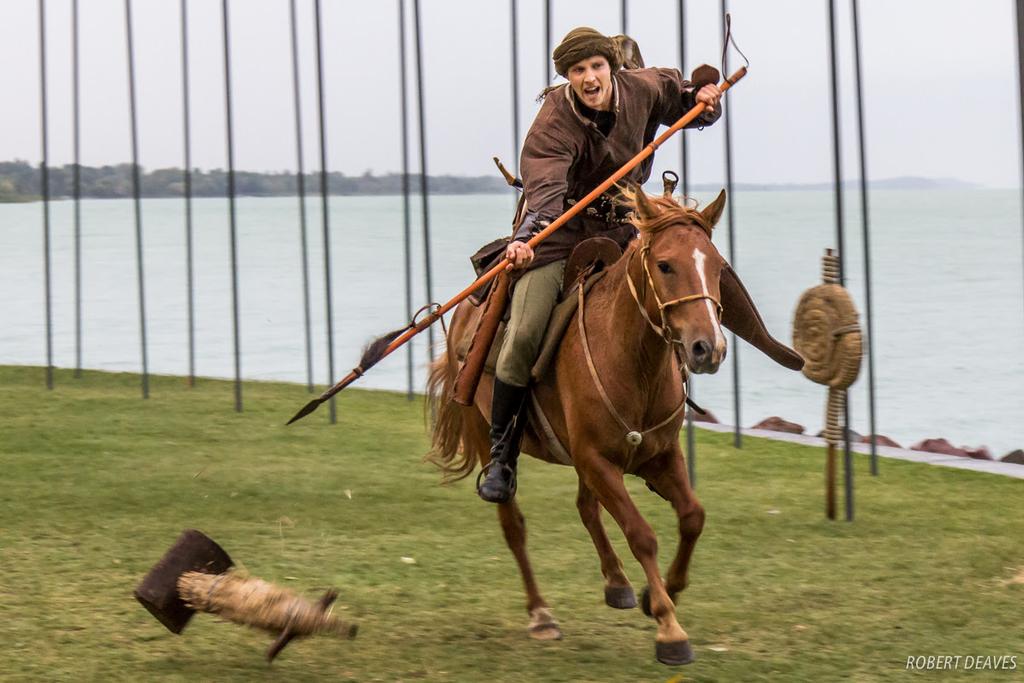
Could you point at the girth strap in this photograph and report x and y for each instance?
(633, 437)
(557, 449)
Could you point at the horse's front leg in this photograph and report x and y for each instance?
(605, 480)
(618, 592)
(542, 623)
(667, 474)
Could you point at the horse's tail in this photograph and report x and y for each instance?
(452, 447)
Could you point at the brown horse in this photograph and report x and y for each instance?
(614, 400)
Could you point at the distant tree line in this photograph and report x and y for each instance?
(20, 181)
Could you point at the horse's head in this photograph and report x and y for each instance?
(680, 269)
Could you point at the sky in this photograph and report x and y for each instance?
(939, 80)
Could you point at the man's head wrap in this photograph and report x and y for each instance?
(584, 42)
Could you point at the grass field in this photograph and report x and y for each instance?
(97, 484)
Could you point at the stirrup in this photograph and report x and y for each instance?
(513, 483)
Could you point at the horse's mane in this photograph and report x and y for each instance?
(667, 212)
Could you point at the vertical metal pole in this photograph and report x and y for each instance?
(301, 180)
(423, 174)
(865, 218)
(45, 180)
(515, 88)
(231, 204)
(76, 186)
(624, 12)
(1020, 87)
(189, 247)
(838, 183)
(737, 439)
(406, 208)
(324, 205)
(136, 196)
(691, 440)
(547, 43)
(685, 160)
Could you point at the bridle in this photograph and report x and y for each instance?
(663, 330)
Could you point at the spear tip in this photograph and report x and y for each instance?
(306, 410)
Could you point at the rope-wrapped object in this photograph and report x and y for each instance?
(254, 602)
(826, 332)
(834, 415)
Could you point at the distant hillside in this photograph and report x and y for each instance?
(900, 183)
(20, 181)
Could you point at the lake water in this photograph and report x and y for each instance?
(947, 286)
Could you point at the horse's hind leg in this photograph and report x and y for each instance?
(618, 592)
(667, 473)
(542, 624)
(476, 439)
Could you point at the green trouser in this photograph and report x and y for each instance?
(533, 298)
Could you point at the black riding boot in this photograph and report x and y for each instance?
(508, 419)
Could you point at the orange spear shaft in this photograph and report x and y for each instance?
(429, 320)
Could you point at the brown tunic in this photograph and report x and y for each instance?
(565, 156)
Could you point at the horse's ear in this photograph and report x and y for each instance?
(713, 211)
(645, 208)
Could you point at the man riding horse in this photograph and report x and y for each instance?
(585, 130)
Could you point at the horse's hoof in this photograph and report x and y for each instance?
(546, 632)
(620, 597)
(674, 654)
(645, 601)
(543, 625)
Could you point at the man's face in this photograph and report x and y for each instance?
(591, 80)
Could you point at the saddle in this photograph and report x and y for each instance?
(585, 266)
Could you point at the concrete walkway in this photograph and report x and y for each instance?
(1006, 469)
